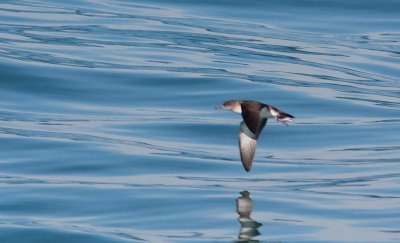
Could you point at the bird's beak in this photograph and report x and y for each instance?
(219, 107)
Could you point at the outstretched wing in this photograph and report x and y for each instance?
(248, 143)
(251, 116)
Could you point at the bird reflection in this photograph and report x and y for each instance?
(248, 226)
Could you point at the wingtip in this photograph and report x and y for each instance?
(247, 169)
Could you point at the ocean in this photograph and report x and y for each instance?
(109, 132)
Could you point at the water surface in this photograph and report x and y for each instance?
(108, 129)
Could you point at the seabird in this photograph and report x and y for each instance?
(255, 116)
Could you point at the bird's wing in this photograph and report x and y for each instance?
(251, 116)
(247, 144)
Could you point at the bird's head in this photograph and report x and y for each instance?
(233, 105)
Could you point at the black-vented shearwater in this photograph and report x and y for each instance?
(255, 116)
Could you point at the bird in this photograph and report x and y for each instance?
(255, 115)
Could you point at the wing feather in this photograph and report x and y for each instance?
(247, 145)
(250, 129)
(251, 116)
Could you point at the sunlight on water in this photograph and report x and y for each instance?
(109, 132)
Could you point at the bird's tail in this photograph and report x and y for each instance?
(284, 117)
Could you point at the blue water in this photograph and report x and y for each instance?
(108, 130)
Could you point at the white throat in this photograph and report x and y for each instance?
(237, 109)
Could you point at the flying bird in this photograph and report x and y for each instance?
(255, 116)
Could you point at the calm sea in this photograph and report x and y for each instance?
(108, 131)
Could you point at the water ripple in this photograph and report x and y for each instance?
(109, 132)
